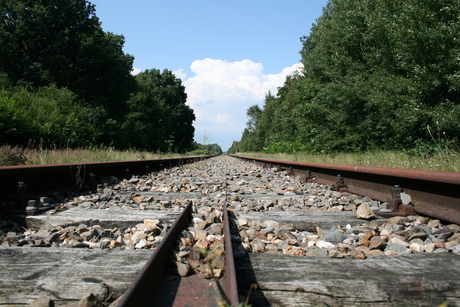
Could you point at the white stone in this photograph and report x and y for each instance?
(324, 244)
(405, 198)
(416, 248)
(429, 248)
(364, 212)
(142, 243)
(242, 222)
(397, 240)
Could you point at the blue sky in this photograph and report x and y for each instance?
(227, 53)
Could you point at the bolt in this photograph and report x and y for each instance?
(21, 188)
(339, 179)
(396, 192)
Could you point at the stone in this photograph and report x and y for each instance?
(200, 234)
(324, 244)
(271, 248)
(183, 269)
(443, 233)
(242, 222)
(377, 242)
(293, 250)
(202, 243)
(333, 236)
(42, 302)
(201, 225)
(218, 263)
(139, 199)
(364, 212)
(257, 245)
(416, 248)
(54, 237)
(195, 254)
(397, 249)
(273, 224)
(454, 227)
(142, 243)
(365, 239)
(398, 240)
(317, 252)
(450, 243)
(433, 224)
(397, 220)
(358, 254)
(405, 198)
(336, 254)
(90, 301)
(376, 252)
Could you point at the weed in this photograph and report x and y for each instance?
(10, 156)
(448, 160)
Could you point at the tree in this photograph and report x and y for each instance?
(49, 115)
(158, 118)
(377, 74)
(45, 42)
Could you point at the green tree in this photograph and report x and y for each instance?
(377, 74)
(45, 42)
(158, 118)
(49, 115)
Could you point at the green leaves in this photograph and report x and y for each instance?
(52, 115)
(376, 73)
(157, 108)
(67, 82)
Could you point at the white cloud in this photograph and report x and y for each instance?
(135, 71)
(222, 118)
(220, 92)
(180, 74)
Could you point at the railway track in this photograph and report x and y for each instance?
(286, 231)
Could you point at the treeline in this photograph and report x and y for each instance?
(378, 74)
(66, 82)
(205, 149)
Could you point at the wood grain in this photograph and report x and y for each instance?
(66, 274)
(410, 280)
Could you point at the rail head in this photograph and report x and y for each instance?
(432, 193)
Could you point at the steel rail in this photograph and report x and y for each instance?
(142, 292)
(149, 289)
(230, 271)
(433, 193)
(44, 180)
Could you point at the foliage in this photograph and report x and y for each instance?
(65, 82)
(47, 42)
(376, 74)
(158, 117)
(51, 115)
(12, 156)
(35, 155)
(447, 161)
(204, 149)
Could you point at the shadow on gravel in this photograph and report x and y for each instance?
(245, 272)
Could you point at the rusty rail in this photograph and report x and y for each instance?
(44, 180)
(152, 288)
(433, 193)
(230, 271)
(144, 289)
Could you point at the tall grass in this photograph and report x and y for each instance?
(34, 156)
(447, 161)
